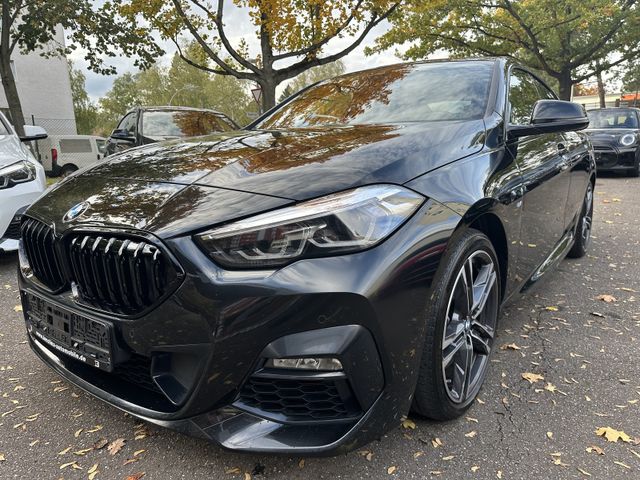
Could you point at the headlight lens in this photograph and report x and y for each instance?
(343, 222)
(627, 139)
(15, 173)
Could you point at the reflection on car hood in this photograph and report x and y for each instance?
(611, 132)
(302, 163)
(183, 186)
(10, 150)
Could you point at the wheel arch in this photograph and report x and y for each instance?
(480, 218)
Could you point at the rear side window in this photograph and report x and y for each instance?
(75, 145)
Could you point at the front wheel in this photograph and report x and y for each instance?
(462, 316)
(583, 229)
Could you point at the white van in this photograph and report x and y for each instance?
(64, 154)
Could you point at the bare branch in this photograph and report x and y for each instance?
(209, 51)
(318, 45)
(303, 65)
(217, 20)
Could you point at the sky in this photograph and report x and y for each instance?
(238, 26)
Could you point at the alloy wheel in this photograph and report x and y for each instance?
(470, 325)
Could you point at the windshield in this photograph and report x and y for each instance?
(162, 125)
(612, 119)
(397, 94)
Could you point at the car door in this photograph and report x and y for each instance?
(129, 123)
(544, 174)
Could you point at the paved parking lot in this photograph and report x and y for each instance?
(585, 348)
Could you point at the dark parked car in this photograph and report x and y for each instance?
(299, 285)
(144, 125)
(615, 134)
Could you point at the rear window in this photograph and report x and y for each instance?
(164, 125)
(75, 145)
(612, 119)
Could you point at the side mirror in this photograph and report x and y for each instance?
(122, 135)
(552, 116)
(32, 132)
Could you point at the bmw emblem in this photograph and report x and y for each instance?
(75, 211)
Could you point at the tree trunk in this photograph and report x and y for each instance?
(11, 92)
(268, 95)
(601, 92)
(565, 85)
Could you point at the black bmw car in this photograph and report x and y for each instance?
(615, 134)
(300, 285)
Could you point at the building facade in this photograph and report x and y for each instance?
(45, 90)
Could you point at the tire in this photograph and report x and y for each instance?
(67, 170)
(438, 395)
(583, 228)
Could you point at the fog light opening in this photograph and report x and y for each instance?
(306, 363)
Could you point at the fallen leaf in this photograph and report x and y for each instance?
(233, 471)
(97, 428)
(93, 469)
(595, 449)
(552, 308)
(78, 432)
(606, 298)
(550, 387)
(550, 435)
(499, 474)
(475, 468)
(622, 464)
(100, 444)
(70, 464)
(17, 308)
(436, 442)
(369, 456)
(2, 458)
(66, 450)
(532, 377)
(447, 458)
(135, 476)
(584, 472)
(301, 463)
(115, 446)
(138, 452)
(471, 434)
(82, 452)
(130, 460)
(510, 346)
(391, 470)
(612, 435)
(408, 423)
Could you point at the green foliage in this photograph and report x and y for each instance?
(570, 40)
(85, 111)
(631, 78)
(178, 84)
(312, 76)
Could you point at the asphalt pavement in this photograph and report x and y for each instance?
(578, 333)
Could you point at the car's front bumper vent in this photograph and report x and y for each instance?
(39, 243)
(119, 274)
(299, 399)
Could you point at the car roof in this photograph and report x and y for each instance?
(169, 108)
(613, 109)
(60, 136)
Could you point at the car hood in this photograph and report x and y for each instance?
(10, 150)
(179, 186)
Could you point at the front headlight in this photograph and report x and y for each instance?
(627, 139)
(343, 222)
(15, 173)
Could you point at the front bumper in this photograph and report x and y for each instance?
(188, 363)
(612, 157)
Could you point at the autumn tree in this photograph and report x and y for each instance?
(311, 76)
(31, 26)
(176, 84)
(569, 40)
(84, 110)
(292, 35)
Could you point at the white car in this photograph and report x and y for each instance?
(22, 180)
(64, 154)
